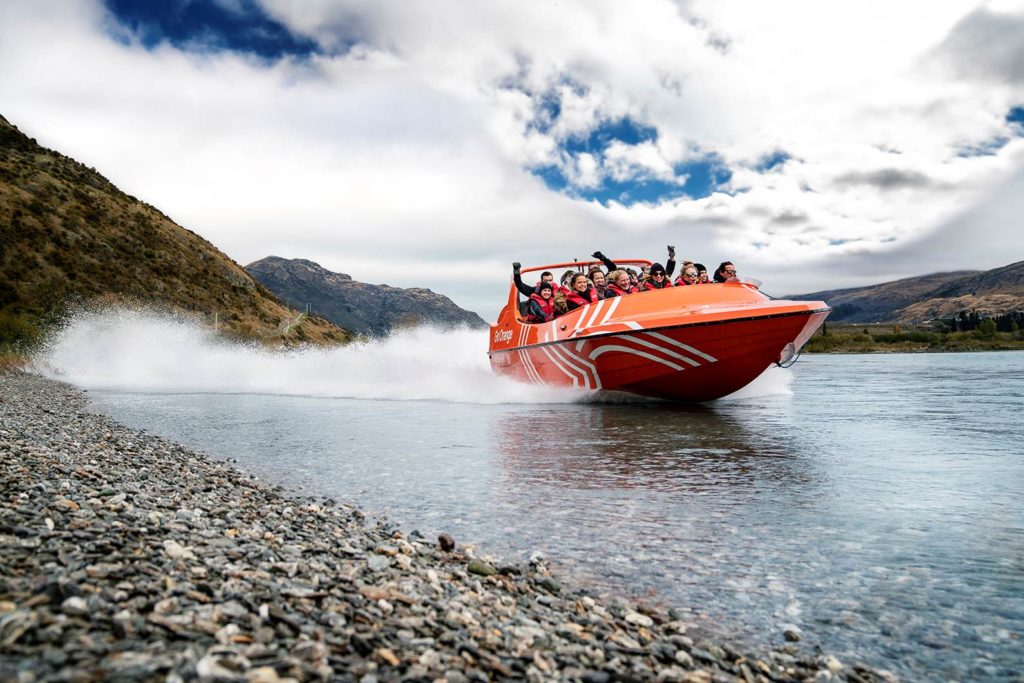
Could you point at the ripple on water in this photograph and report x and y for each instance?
(877, 508)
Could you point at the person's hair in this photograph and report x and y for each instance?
(560, 305)
(718, 273)
(546, 272)
(577, 276)
(700, 267)
(567, 277)
(616, 274)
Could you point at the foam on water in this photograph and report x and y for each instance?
(141, 351)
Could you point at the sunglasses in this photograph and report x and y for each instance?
(730, 272)
(658, 274)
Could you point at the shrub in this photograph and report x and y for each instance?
(986, 329)
(16, 331)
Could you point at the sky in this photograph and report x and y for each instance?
(816, 145)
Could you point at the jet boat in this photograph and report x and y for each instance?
(683, 343)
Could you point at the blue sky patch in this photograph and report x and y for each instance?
(624, 130)
(703, 176)
(189, 23)
(983, 149)
(770, 161)
(1015, 117)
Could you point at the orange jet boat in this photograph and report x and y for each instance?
(682, 343)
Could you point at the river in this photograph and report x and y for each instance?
(872, 503)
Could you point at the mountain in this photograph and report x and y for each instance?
(69, 235)
(928, 297)
(357, 306)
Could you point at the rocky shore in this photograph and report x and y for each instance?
(128, 557)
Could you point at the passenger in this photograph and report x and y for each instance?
(679, 280)
(599, 280)
(619, 284)
(525, 289)
(670, 265)
(726, 272)
(565, 280)
(657, 279)
(542, 306)
(702, 273)
(634, 279)
(582, 293)
(689, 276)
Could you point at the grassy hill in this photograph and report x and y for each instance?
(915, 300)
(69, 236)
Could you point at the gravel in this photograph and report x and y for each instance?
(128, 557)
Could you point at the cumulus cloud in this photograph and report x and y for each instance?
(987, 44)
(432, 144)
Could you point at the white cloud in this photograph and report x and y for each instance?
(402, 158)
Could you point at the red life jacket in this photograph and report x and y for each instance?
(578, 299)
(680, 282)
(546, 305)
(616, 291)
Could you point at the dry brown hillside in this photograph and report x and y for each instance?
(67, 235)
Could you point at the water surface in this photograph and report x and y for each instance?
(877, 506)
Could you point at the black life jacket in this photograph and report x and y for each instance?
(652, 285)
(615, 290)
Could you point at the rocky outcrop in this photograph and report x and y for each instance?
(357, 306)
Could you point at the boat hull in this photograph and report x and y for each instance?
(682, 343)
(697, 362)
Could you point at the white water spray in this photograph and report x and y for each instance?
(140, 351)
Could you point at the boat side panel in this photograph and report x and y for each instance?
(692, 363)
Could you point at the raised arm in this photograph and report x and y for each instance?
(517, 277)
(608, 263)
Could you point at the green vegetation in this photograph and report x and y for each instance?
(848, 338)
(71, 238)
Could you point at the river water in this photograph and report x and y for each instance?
(873, 502)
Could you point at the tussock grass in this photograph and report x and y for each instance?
(71, 236)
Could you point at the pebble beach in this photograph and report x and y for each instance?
(125, 556)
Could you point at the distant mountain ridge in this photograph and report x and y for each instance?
(67, 233)
(928, 297)
(357, 306)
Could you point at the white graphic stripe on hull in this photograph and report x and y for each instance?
(662, 349)
(611, 309)
(594, 314)
(531, 372)
(625, 349)
(564, 351)
(575, 380)
(684, 347)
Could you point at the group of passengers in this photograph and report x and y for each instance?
(548, 299)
